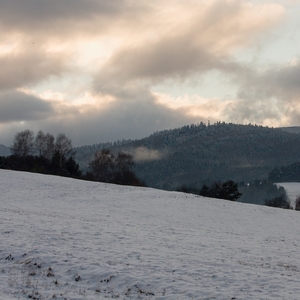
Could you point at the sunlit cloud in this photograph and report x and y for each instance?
(200, 39)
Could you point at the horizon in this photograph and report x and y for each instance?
(103, 71)
(163, 129)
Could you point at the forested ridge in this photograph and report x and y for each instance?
(199, 153)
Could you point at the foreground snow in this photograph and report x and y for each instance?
(71, 239)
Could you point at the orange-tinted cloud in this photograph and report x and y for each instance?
(193, 37)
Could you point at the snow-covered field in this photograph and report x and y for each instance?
(70, 239)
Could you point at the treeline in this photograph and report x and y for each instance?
(106, 167)
(227, 190)
(289, 173)
(267, 193)
(40, 164)
(259, 191)
(48, 155)
(281, 201)
(207, 153)
(42, 154)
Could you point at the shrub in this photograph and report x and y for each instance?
(106, 167)
(297, 203)
(280, 202)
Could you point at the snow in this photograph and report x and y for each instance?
(292, 190)
(70, 239)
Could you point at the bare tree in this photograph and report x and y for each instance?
(44, 144)
(23, 143)
(63, 146)
(49, 146)
(103, 165)
(124, 162)
(108, 168)
(40, 142)
(281, 201)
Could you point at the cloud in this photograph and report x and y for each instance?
(94, 122)
(29, 67)
(282, 81)
(122, 119)
(201, 37)
(19, 107)
(69, 19)
(275, 81)
(267, 97)
(173, 39)
(171, 57)
(49, 15)
(91, 65)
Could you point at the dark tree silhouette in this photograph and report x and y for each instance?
(102, 165)
(63, 147)
(280, 202)
(23, 143)
(106, 167)
(229, 191)
(44, 144)
(297, 203)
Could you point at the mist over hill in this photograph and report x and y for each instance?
(200, 153)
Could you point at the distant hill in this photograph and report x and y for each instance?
(293, 129)
(197, 154)
(4, 151)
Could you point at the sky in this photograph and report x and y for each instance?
(103, 70)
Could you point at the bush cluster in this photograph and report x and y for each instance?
(227, 190)
(281, 201)
(106, 167)
(57, 165)
(45, 154)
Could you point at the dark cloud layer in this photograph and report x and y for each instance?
(176, 58)
(271, 95)
(66, 18)
(119, 120)
(279, 81)
(27, 14)
(18, 107)
(29, 67)
(135, 119)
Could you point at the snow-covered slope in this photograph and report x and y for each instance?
(70, 239)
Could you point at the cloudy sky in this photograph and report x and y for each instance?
(103, 70)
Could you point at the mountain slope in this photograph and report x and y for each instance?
(70, 239)
(198, 154)
(4, 151)
(292, 129)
